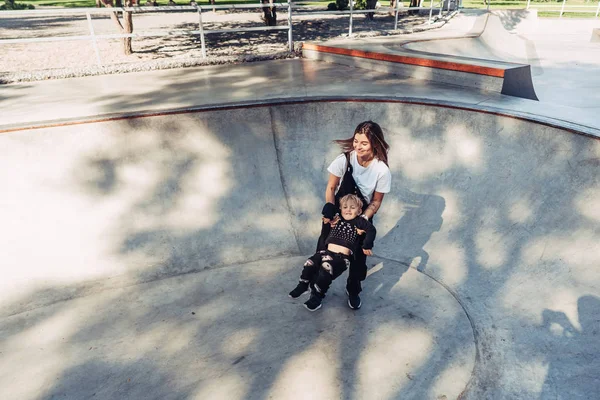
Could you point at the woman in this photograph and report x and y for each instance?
(363, 170)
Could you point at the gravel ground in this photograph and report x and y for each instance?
(36, 61)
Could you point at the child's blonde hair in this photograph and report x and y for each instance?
(351, 198)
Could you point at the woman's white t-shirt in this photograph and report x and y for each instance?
(376, 177)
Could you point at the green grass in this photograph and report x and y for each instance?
(519, 4)
(546, 14)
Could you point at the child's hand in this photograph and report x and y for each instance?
(368, 252)
(335, 220)
(360, 232)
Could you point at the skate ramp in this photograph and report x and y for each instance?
(485, 57)
(151, 258)
(494, 36)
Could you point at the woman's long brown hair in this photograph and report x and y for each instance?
(374, 133)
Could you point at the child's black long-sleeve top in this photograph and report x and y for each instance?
(344, 233)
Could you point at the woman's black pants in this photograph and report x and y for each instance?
(358, 263)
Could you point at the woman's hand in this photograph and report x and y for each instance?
(360, 232)
(331, 222)
(368, 252)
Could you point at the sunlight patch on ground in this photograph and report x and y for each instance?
(304, 201)
(261, 219)
(381, 369)
(491, 251)
(467, 147)
(579, 251)
(452, 215)
(449, 259)
(520, 211)
(549, 294)
(312, 374)
(492, 247)
(452, 378)
(232, 386)
(588, 203)
(255, 80)
(457, 147)
(565, 300)
(240, 342)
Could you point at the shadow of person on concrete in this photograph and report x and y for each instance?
(572, 354)
(405, 242)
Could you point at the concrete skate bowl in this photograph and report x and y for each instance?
(489, 44)
(494, 36)
(151, 257)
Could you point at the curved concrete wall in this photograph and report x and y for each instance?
(503, 212)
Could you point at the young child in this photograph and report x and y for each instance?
(326, 265)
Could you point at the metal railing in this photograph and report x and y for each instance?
(592, 9)
(93, 37)
(561, 7)
(201, 31)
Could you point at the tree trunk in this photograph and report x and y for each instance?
(269, 14)
(127, 28)
(414, 3)
(371, 4)
(127, 20)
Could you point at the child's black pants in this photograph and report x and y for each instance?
(358, 267)
(322, 268)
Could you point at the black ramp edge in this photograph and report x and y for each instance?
(518, 83)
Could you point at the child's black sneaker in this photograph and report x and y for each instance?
(314, 303)
(299, 290)
(353, 301)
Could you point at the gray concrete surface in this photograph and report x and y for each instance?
(101, 96)
(464, 79)
(563, 61)
(515, 80)
(151, 258)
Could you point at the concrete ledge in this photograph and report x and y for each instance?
(506, 78)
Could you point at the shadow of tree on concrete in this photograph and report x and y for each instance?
(208, 206)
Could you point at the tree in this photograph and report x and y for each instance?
(11, 5)
(414, 3)
(371, 4)
(269, 13)
(124, 27)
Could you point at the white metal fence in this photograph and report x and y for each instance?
(291, 11)
(564, 8)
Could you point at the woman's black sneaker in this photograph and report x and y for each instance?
(353, 301)
(299, 290)
(314, 303)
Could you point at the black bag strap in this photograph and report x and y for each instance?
(348, 185)
(348, 165)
